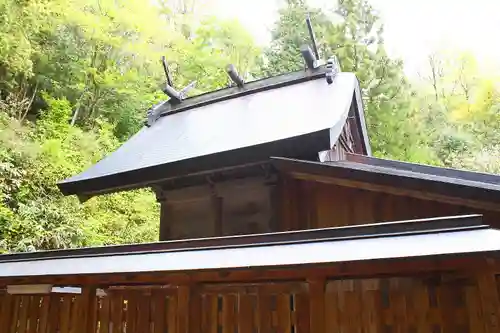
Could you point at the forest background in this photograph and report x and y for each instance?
(77, 77)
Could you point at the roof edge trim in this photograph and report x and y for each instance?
(269, 83)
(387, 229)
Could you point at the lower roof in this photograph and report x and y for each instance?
(474, 186)
(407, 239)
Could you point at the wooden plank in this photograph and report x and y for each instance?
(116, 305)
(183, 309)
(352, 310)
(397, 191)
(88, 311)
(490, 301)
(143, 312)
(53, 320)
(194, 309)
(210, 306)
(245, 314)
(23, 314)
(302, 308)
(398, 307)
(104, 315)
(264, 312)
(44, 314)
(7, 310)
(448, 319)
(421, 306)
(475, 313)
(317, 305)
(33, 314)
(283, 310)
(331, 307)
(229, 313)
(369, 309)
(159, 315)
(132, 310)
(172, 316)
(15, 314)
(217, 214)
(65, 314)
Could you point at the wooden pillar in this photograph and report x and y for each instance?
(165, 214)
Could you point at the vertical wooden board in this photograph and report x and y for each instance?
(245, 314)
(370, 315)
(490, 302)
(302, 308)
(131, 316)
(116, 305)
(104, 315)
(87, 312)
(210, 322)
(65, 314)
(23, 314)
(228, 313)
(421, 308)
(387, 208)
(55, 305)
(445, 299)
(44, 314)
(159, 315)
(288, 190)
(331, 307)
(15, 314)
(183, 309)
(7, 310)
(172, 314)
(326, 202)
(194, 309)
(474, 310)
(352, 311)
(143, 313)
(283, 310)
(264, 312)
(76, 311)
(365, 206)
(343, 319)
(33, 314)
(317, 305)
(398, 307)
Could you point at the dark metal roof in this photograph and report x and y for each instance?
(292, 115)
(442, 181)
(410, 239)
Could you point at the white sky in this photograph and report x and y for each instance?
(413, 28)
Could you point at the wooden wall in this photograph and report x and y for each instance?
(382, 305)
(309, 204)
(233, 207)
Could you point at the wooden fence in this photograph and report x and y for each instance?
(389, 305)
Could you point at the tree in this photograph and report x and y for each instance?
(353, 33)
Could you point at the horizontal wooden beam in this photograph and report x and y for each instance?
(359, 269)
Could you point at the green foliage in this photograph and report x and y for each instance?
(35, 215)
(354, 34)
(77, 76)
(76, 80)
